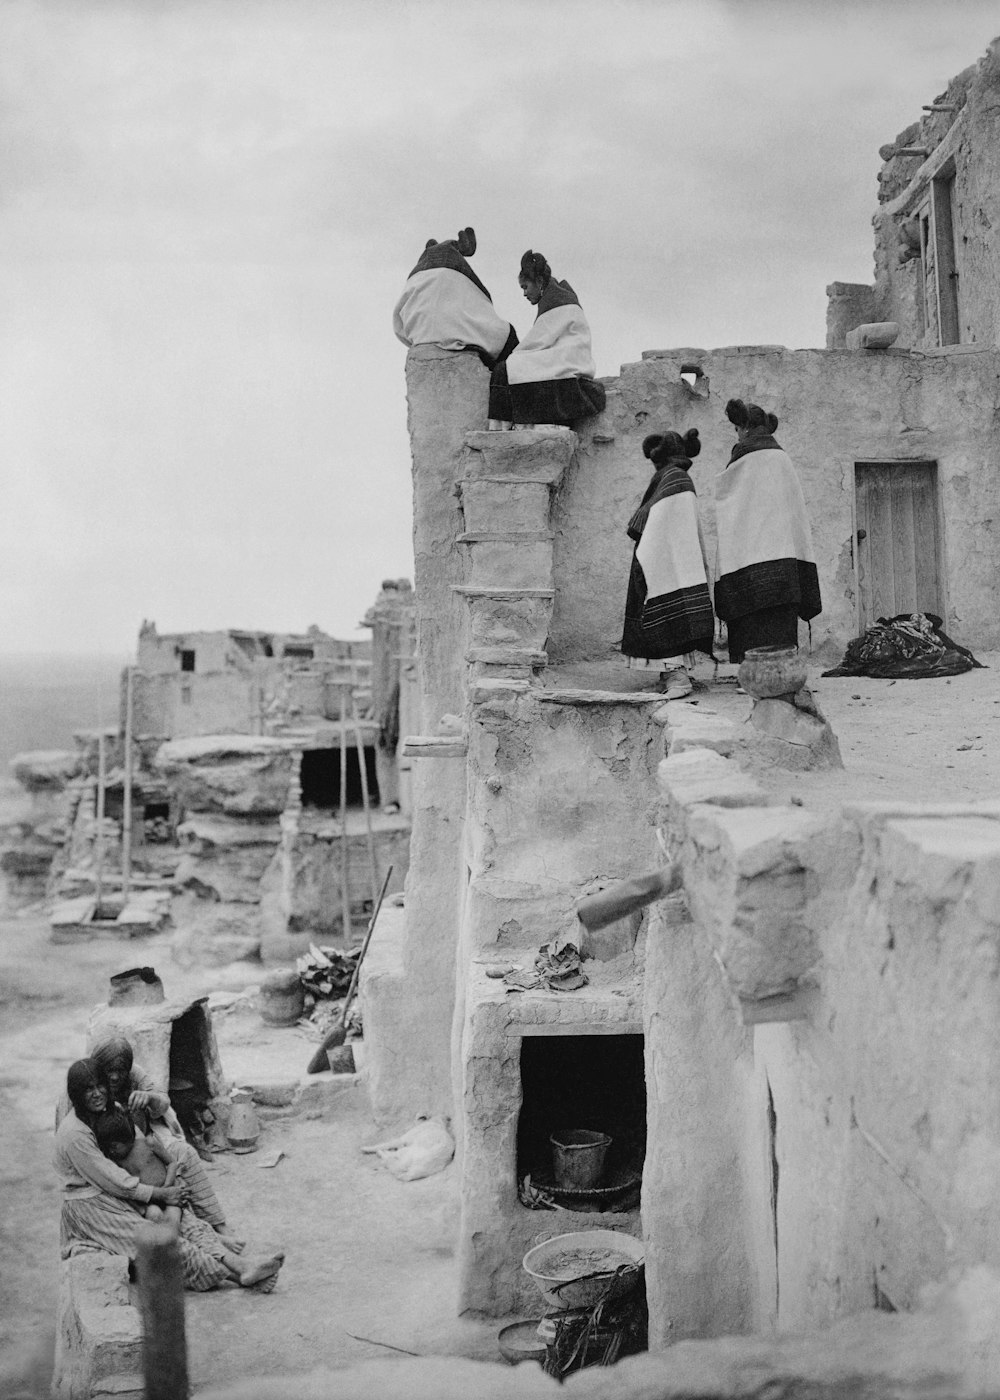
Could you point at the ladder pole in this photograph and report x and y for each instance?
(345, 898)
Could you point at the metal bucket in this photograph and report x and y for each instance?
(578, 1157)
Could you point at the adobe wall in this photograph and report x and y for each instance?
(858, 954)
(962, 140)
(836, 407)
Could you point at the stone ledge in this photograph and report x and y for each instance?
(434, 746)
(597, 697)
(506, 537)
(506, 656)
(473, 590)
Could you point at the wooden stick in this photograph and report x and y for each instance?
(127, 794)
(99, 832)
(345, 898)
(161, 1299)
(338, 1034)
(626, 896)
(372, 863)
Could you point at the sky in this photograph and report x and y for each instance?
(208, 209)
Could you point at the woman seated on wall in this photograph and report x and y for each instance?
(102, 1204)
(549, 377)
(444, 303)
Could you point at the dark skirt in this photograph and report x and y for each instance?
(769, 627)
(562, 401)
(683, 625)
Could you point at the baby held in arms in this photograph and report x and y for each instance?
(141, 1156)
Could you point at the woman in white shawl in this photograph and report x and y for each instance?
(766, 576)
(549, 376)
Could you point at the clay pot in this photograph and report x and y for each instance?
(767, 672)
(139, 986)
(282, 999)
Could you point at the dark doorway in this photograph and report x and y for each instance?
(320, 778)
(582, 1081)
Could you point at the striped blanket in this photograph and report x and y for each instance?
(668, 611)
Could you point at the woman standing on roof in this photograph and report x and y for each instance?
(766, 576)
(549, 377)
(668, 611)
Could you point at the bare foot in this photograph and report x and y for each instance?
(261, 1273)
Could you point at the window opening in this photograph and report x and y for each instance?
(187, 660)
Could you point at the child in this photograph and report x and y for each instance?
(144, 1157)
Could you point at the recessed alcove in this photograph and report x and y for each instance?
(582, 1081)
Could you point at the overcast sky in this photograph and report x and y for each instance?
(209, 207)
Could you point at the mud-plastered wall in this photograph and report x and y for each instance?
(836, 408)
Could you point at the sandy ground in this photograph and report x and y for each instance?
(367, 1255)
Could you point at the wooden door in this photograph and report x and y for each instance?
(898, 540)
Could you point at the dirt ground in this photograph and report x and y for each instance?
(370, 1262)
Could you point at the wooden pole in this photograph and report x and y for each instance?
(161, 1300)
(372, 862)
(99, 830)
(626, 896)
(345, 898)
(127, 793)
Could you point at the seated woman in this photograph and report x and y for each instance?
(668, 611)
(102, 1204)
(444, 303)
(549, 377)
(766, 577)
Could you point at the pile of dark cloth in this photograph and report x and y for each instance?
(910, 646)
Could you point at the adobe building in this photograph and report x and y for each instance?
(797, 1052)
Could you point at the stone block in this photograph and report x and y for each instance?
(876, 335)
(697, 775)
(690, 728)
(513, 563)
(99, 1338)
(509, 619)
(792, 736)
(749, 887)
(518, 504)
(541, 456)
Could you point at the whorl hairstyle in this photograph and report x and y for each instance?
(81, 1076)
(112, 1053)
(465, 242)
(662, 447)
(534, 268)
(750, 415)
(112, 1127)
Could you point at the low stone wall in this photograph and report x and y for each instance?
(99, 1339)
(949, 1349)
